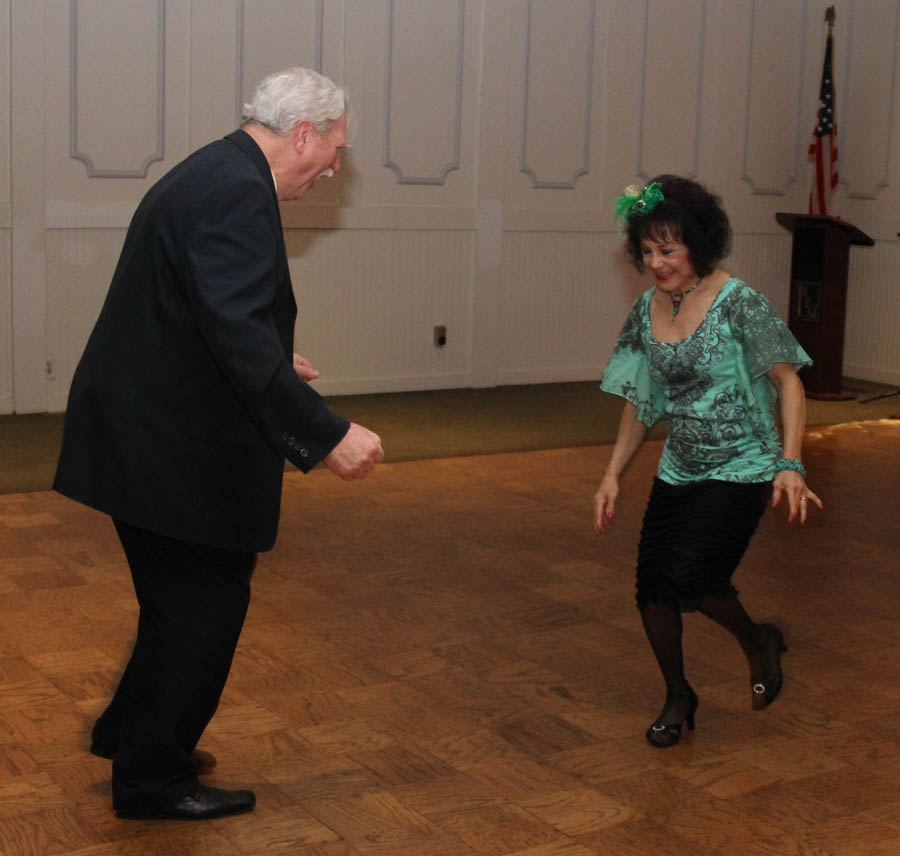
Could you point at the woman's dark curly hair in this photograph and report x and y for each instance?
(688, 213)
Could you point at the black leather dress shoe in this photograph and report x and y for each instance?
(205, 803)
(204, 762)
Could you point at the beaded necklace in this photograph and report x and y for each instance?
(677, 296)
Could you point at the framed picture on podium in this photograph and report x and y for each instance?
(807, 302)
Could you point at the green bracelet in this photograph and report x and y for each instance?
(790, 464)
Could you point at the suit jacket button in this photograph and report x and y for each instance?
(304, 453)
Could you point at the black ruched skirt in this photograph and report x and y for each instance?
(693, 538)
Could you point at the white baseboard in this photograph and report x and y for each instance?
(407, 383)
(872, 373)
(550, 374)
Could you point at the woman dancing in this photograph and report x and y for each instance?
(708, 355)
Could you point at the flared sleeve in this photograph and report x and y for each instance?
(763, 337)
(628, 373)
(763, 340)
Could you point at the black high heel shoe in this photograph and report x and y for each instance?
(763, 693)
(666, 734)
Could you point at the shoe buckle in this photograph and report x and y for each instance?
(759, 689)
(658, 727)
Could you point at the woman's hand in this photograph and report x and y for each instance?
(792, 485)
(630, 435)
(605, 503)
(792, 401)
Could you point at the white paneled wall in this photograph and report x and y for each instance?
(544, 270)
(6, 344)
(76, 260)
(370, 326)
(872, 349)
(493, 136)
(6, 316)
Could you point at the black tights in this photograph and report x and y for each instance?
(663, 626)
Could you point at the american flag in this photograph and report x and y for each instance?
(823, 148)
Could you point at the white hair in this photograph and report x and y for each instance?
(286, 97)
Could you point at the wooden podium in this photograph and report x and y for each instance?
(819, 265)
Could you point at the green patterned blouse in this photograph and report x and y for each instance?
(711, 388)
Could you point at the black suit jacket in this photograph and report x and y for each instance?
(185, 402)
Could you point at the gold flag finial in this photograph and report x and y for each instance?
(830, 16)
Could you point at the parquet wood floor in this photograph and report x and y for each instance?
(444, 660)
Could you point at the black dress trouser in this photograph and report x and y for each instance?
(193, 599)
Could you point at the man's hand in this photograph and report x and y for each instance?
(304, 368)
(356, 455)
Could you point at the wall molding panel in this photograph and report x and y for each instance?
(873, 29)
(78, 99)
(284, 18)
(667, 111)
(771, 152)
(543, 120)
(442, 140)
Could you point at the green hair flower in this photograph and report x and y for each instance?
(634, 201)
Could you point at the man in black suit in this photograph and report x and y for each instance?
(185, 404)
